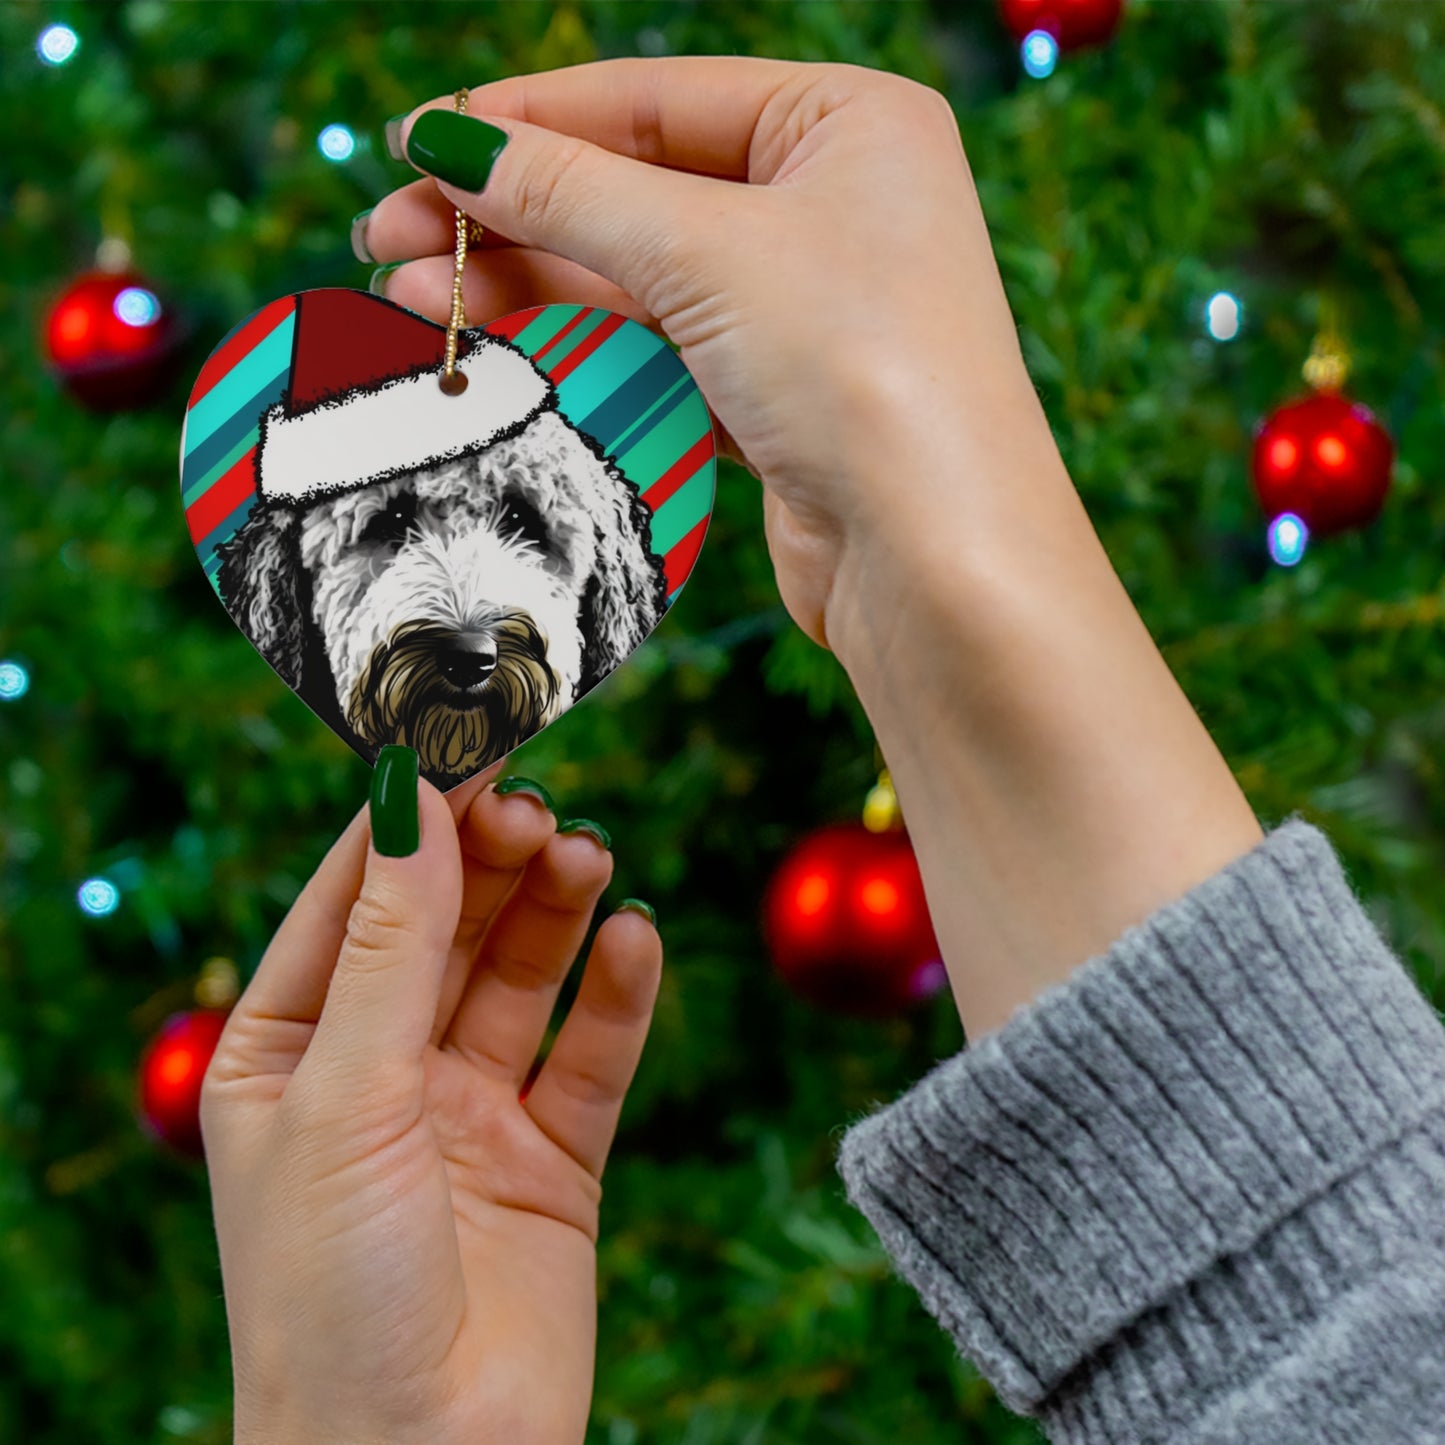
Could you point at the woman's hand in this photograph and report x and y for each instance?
(407, 1246)
(809, 237)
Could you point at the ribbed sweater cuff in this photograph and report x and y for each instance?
(1144, 1165)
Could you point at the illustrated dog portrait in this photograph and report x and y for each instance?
(455, 603)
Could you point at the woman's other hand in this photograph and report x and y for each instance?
(407, 1245)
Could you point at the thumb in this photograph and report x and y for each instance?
(382, 999)
(637, 225)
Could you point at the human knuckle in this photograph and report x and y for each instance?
(373, 933)
(543, 186)
(302, 1108)
(940, 108)
(648, 140)
(318, 1104)
(923, 101)
(519, 969)
(212, 1107)
(844, 75)
(587, 1085)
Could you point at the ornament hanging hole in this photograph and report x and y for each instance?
(453, 383)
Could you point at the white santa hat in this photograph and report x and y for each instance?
(363, 402)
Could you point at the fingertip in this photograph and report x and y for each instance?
(393, 131)
(415, 875)
(506, 829)
(395, 802)
(630, 959)
(460, 798)
(634, 933)
(410, 817)
(576, 856)
(640, 907)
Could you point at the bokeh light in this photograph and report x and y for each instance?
(177, 1066)
(1223, 316)
(1288, 538)
(879, 897)
(1283, 454)
(930, 977)
(14, 681)
(813, 894)
(57, 44)
(98, 897)
(137, 307)
(1040, 53)
(336, 143)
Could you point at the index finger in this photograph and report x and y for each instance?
(695, 113)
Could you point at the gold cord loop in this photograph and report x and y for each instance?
(452, 381)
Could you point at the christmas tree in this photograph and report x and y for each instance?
(1180, 214)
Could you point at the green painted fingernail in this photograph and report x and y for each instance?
(636, 905)
(377, 284)
(359, 248)
(393, 136)
(586, 825)
(455, 148)
(395, 820)
(526, 785)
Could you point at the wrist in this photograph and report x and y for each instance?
(1056, 782)
(950, 521)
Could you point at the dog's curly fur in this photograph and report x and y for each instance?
(536, 549)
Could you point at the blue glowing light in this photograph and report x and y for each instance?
(98, 897)
(1288, 538)
(57, 44)
(1040, 52)
(14, 681)
(1223, 316)
(137, 307)
(336, 143)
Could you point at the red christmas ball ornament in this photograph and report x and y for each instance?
(1072, 23)
(1326, 459)
(847, 924)
(171, 1071)
(111, 340)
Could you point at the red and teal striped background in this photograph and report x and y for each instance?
(615, 380)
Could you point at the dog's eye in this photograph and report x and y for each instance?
(521, 519)
(393, 522)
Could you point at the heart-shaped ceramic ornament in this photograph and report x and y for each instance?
(450, 572)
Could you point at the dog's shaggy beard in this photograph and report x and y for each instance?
(402, 697)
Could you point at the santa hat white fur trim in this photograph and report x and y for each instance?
(400, 426)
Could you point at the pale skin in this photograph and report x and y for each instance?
(407, 1247)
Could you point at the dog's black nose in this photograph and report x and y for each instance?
(465, 667)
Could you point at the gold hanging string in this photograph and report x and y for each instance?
(452, 381)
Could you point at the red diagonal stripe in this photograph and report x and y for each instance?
(684, 467)
(565, 332)
(255, 331)
(509, 326)
(584, 349)
(678, 562)
(222, 497)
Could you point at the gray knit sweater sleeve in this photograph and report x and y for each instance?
(1197, 1191)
